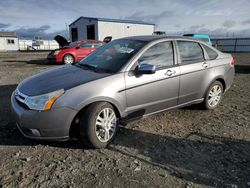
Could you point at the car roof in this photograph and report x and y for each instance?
(150, 38)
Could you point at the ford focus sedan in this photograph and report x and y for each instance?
(121, 81)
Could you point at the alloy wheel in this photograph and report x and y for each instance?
(68, 59)
(214, 95)
(106, 123)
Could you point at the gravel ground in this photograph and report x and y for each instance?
(185, 147)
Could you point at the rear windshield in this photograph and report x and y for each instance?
(74, 43)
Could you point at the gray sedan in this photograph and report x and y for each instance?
(121, 81)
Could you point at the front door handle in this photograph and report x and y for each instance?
(170, 72)
(205, 65)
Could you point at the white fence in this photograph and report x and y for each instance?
(31, 45)
(23, 44)
(232, 44)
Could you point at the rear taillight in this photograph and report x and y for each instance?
(232, 62)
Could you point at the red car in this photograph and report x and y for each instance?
(70, 53)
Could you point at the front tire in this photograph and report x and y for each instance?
(68, 59)
(213, 96)
(98, 125)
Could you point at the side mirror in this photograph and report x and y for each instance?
(77, 47)
(107, 39)
(145, 69)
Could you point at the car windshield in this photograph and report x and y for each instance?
(112, 56)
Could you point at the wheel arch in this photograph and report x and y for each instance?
(74, 127)
(222, 81)
(218, 78)
(117, 111)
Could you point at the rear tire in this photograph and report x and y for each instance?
(68, 59)
(213, 96)
(98, 125)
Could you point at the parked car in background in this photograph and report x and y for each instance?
(121, 81)
(203, 37)
(159, 33)
(70, 53)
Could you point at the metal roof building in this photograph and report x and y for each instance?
(99, 28)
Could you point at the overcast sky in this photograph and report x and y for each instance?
(46, 18)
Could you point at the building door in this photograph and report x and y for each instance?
(74, 34)
(91, 32)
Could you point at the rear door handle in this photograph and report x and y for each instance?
(205, 65)
(170, 72)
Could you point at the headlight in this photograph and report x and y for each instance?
(56, 52)
(43, 102)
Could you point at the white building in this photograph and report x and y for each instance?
(8, 41)
(99, 28)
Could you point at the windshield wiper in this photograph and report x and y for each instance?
(93, 68)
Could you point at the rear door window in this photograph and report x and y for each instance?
(86, 45)
(190, 52)
(210, 52)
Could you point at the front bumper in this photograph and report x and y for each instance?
(53, 124)
(53, 59)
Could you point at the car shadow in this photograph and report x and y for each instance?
(242, 69)
(203, 159)
(35, 62)
(199, 158)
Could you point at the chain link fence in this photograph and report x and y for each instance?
(232, 44)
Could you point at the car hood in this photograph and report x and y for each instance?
(64, 77)
(61, 41)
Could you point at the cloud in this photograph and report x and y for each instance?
(154, 18)
(196, 27)
(32, 32)
(229, 24)
(48, 17)
(217, 32)
(42, 31)
(3, 25)
(246, 22)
